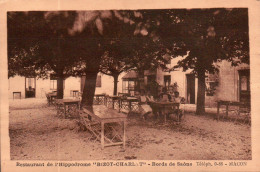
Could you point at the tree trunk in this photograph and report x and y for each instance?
(60, 88)
(115, 84)
(89, 89)
(200, 109)
(91, 71)
(140, 81)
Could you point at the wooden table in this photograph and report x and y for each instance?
(66, 103)
(129, 100)
(113, 100)
(17, 92)
(104, 115)
(230, 103)
(162, 107)
(99, 98)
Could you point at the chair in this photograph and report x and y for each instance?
(48, 98)
(92, 126)
(183, 102)
(180, 111)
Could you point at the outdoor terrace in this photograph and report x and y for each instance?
(38, 133)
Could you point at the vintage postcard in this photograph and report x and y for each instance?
(129, 85)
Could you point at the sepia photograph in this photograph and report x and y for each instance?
(151, 84)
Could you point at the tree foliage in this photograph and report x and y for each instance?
(71, 43)
(202, 37)
(45, 42)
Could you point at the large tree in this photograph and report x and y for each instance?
(63, 41)
(203, 37)
(39, 44)
(99, 32)
(128, 51)
(113, 67)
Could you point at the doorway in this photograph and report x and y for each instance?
(151, 79)
(244, 85)
(30, 85)
(190, 88)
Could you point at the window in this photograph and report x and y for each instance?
(211, 83)
(125, 86)
(167, 80)
(53, 82)
(244, 85)
(98, 81)
(211, 87)
(129, 86)
(53, 85)
(30, 84)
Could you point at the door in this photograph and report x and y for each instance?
(190, 88)
(244, 85)
(151, 79)
(30, 87)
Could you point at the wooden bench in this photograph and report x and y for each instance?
(107, 125)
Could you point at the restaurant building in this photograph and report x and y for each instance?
(230, 83)
(27, 87)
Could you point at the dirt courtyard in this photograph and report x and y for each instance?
(37, 133)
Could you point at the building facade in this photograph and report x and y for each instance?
(36, 88)
(230, 83)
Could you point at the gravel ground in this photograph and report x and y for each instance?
(37, 133)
